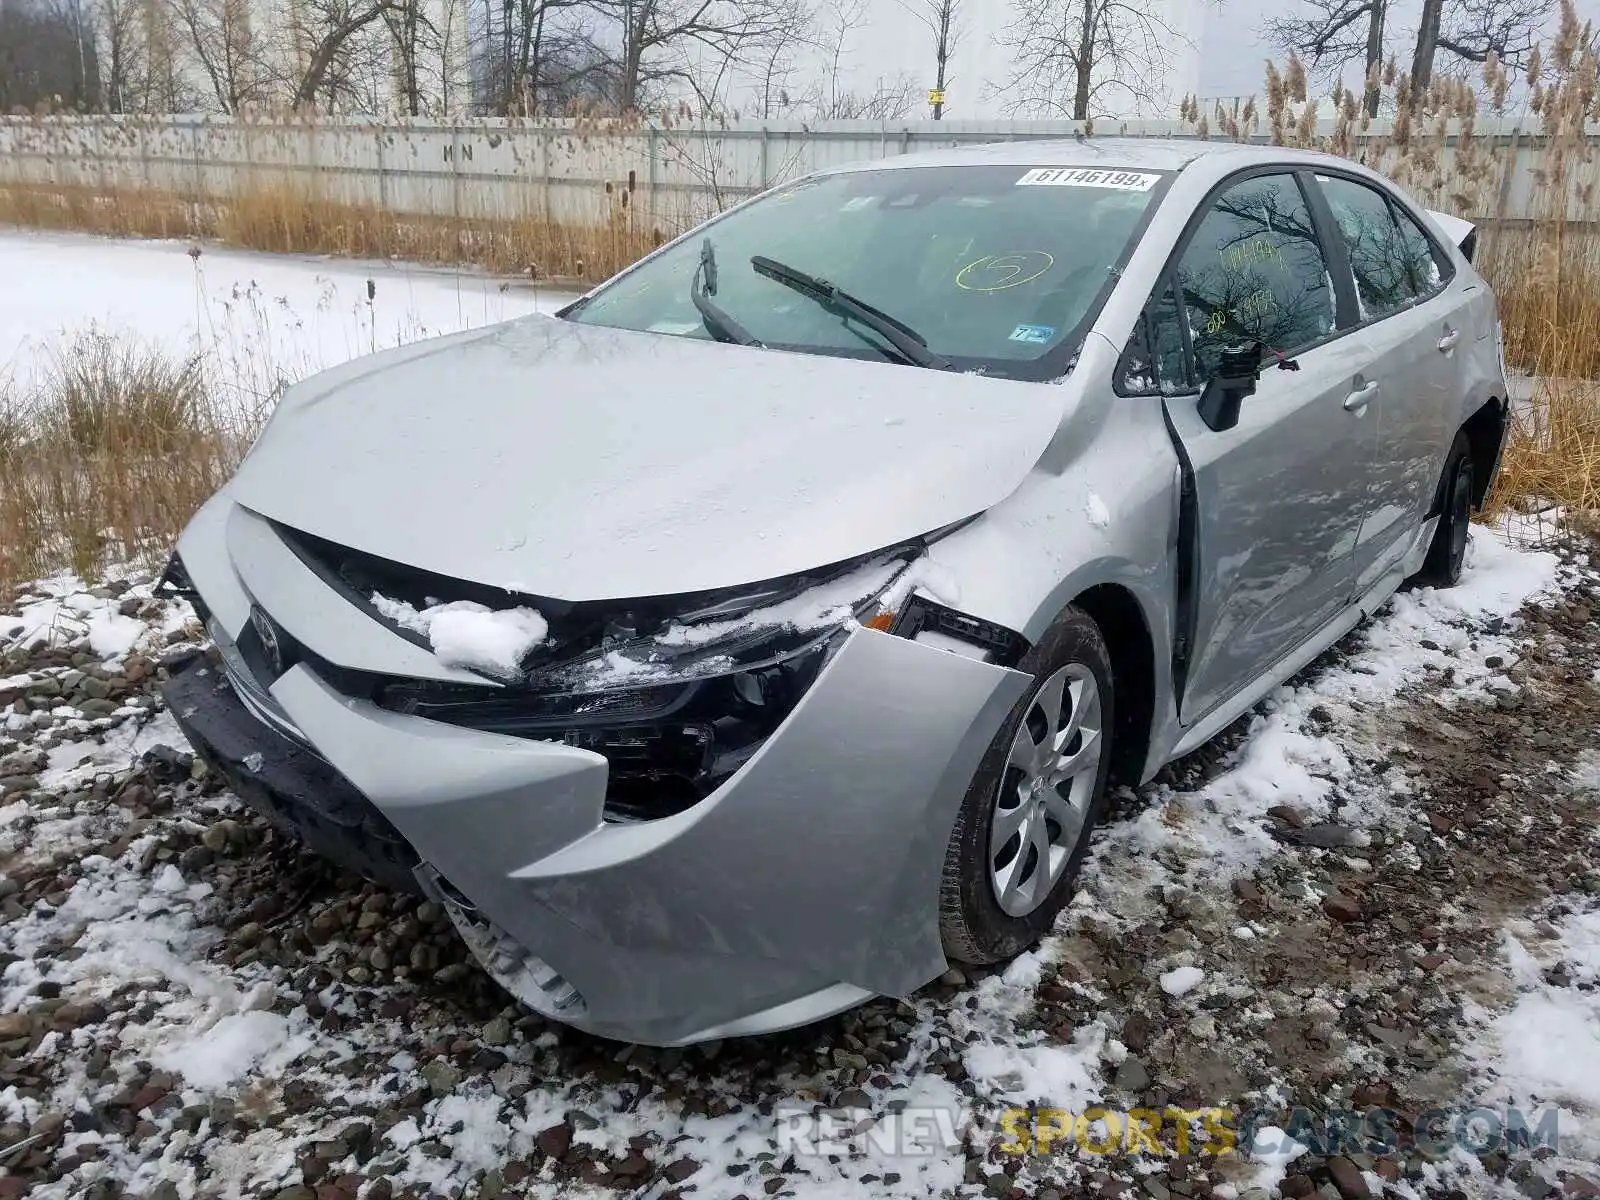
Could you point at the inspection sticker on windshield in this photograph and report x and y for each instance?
(1125, 181)
(1038, 335)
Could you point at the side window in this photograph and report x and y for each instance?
(1255, 272)
(1154, 359)
(1166, 343)
(1373, 243)
(1430, 270)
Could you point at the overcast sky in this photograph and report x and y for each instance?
(1231, 49)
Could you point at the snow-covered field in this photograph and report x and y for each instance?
(1376, 892)
(260, 317)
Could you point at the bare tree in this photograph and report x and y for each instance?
(776, 64)
(223, 42)
(1474, 29)
(119, 34)
(670, 42)
(829, 99)
(1428, 28)
(411, 32)
(942, 19)
(890, 100)
(1333, 34)
(835, 25)
(329, 28)
(517, 41)
(452, 27)
(1087, 58)
(163, 87)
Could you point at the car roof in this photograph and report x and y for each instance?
(1155, 154)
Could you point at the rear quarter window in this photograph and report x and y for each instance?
(1373, 244)
(1428, 265)
(1394, 262)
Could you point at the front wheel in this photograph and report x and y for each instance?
(1023, 828)
(1447, 553)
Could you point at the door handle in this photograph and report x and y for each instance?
(1448, 342)
(1361, 397)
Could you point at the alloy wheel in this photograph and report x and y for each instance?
(1044, 796)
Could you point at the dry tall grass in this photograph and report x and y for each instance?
(106, 455)
(291, 219)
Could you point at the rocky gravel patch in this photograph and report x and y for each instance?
(1309, 916)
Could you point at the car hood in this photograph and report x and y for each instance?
(586, 463)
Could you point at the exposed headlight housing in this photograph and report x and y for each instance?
(745, 630)
(677, 710)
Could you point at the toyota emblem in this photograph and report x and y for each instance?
(268, 633)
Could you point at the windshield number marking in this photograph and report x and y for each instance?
(1125, 181)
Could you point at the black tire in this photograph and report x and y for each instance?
(1447, 554)
(974, 927)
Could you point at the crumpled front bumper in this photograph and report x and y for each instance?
(804, 885)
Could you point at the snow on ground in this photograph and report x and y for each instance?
(1544, 1051)
(260, 317)
(1297, 752)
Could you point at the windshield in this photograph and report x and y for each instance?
(996, 268)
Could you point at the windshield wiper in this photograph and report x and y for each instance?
(719, 324)
(910, 345)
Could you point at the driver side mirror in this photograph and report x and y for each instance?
(1235, 378)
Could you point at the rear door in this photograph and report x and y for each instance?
(1278, 499)
(1409, 320)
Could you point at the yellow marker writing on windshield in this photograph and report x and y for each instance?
(996, 272)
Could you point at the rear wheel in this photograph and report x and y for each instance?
(1023, 829)
(1448, 552)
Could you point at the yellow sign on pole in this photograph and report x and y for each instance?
(935, 95)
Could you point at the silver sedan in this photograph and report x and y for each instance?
(760, 633)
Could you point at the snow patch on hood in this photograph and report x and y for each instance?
(464, 633)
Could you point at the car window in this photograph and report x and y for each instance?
(1254, 271)
(997, 267)
(1166, 343)
(1373, 243)
(1154, 359)
(1429, 269)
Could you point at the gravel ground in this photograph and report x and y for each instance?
(1376, 891)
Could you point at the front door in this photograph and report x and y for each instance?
(1278, 497)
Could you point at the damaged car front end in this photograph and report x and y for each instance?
(611, 824)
